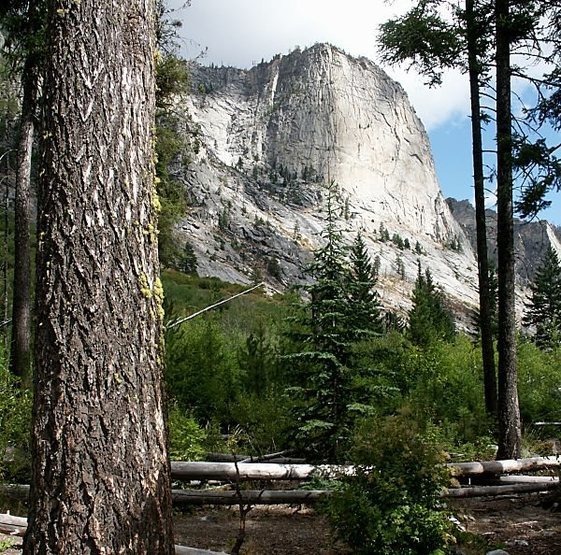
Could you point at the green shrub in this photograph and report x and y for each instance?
(201, 371)
(392, 504)
(264, 420)
(539, 380)
(381, 376)
(447, 389)
(186, 438)
(5, 545)
(222, 366)
(15, 426)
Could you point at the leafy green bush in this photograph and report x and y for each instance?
(201, 370)
(15, 426)
(223, 369)
(5, 545)
(384, 370)
(539, 380)
(392, 504)
(264, 420)
(187, 439)
(222, 366)
(448, 389)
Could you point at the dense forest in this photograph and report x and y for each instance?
(106, 346)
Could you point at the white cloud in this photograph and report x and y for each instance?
(446, 104)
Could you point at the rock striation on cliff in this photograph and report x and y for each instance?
(270, 138)
(531, 239)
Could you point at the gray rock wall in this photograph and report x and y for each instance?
(272, 137)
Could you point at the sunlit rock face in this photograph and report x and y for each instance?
(271, 138)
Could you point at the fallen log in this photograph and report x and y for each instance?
(276, 460)
(272, 458)
(13, 525)
(310, 497)
(184, 550)
(503, 467)
(12, 530)
(224, 457)
(16, 526)
(252, 471)
(530, 479)
(14, 491)
(280, 458)
(247, 497)
(271, 471)
(182, 497)
(517, 479)
(493, 491)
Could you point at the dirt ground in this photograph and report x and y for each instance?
(519, 525)
(14, 543)
(273, 530)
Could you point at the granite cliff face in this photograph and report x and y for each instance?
(270, 138)
(531, 239)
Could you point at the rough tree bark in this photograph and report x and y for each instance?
(508, 409)
(100, 477)
(20, 352)
(4, 319)
(487, 349)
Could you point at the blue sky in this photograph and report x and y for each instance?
(242, 32)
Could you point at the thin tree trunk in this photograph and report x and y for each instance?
(20, 352)
(487, 349)
(5, 290)
(100, 473)
(509, 412)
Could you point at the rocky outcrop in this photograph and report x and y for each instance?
(272, 137)
(531, 238)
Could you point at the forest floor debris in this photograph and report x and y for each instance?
(518, 525)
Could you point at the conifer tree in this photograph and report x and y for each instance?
(257, 359)
(173, 146)
(544, 309)
(329, 384)
(364, 301)
(429, 319)
(433, 42)
(322, 337)
(22, 23)
(493, 312)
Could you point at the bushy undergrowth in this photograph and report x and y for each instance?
(392, 504)
(187, 440)
(15, 426)
(228, 388)
(223, 369)
(447, 390)
(539, 383)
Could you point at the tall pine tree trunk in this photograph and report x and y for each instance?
(100, 481)
(20, 352)
(5, 293)
(509, 412)
(487, 349)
